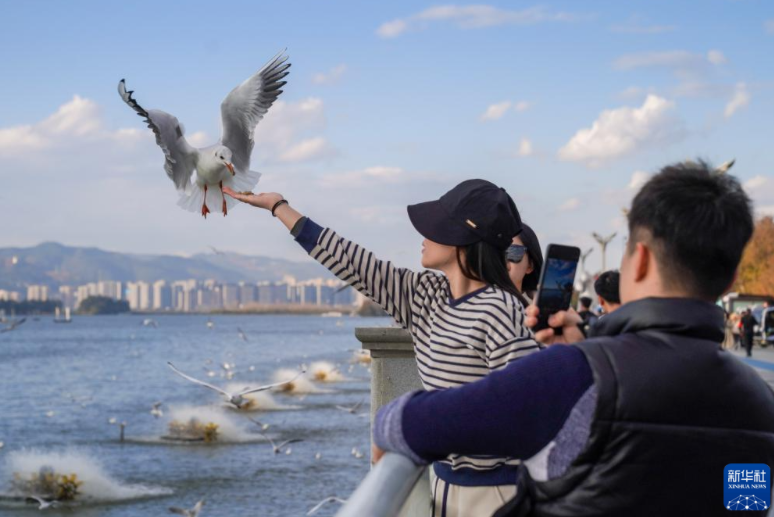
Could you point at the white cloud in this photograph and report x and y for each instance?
(290, 132)
(381, 176)
(472, 17)
(199, 139)
(678, 60)
(716, 57)
(623, 131)
(378, 174)
(571, 204)
(755, 182)
(78, 119)
(496, 111)
(308, 150)
(331, 77)
(740, 100)
(392, 29)
(525, 147)
(632, 93)
(639, 178)
(769, 26)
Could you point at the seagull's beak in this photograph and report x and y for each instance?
(230, 167)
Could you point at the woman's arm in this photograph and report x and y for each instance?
(391, 287)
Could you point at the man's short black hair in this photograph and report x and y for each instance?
(606, 286)
(585, 302)
(697, 222)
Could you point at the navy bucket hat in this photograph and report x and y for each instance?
(473, 211)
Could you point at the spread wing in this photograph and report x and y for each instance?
(270, 386)
(246, 105)
(179, 156)
(197, 381)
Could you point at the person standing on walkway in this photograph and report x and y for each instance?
(748, 330)
(466, 321)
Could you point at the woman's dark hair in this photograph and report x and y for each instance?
(486, 263)
(535, 256)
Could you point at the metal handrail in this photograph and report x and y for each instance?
(384, 490)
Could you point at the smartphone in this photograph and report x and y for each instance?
(557, 278)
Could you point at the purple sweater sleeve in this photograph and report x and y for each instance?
(512, 412)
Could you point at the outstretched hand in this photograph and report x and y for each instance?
(567, 320)
(263, 200)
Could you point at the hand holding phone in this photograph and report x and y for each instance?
(555, 287)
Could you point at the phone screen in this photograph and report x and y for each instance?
(556, 281)
(556, 290)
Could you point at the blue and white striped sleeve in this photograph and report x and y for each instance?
(391, 287)
(509, 338)
(512, 412)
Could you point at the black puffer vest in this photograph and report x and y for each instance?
(673, 410)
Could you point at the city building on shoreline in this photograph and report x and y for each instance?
(196, 296)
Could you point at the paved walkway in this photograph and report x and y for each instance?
(762, 360)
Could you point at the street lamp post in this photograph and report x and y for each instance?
(603, 242)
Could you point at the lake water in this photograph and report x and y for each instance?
(63, 383)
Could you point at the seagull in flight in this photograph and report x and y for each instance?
(43, 503)
(227, 162)
(278, 448)
(324, 502)
(242, 334)
(193, 512)
(13, 325)
(237, 399)
(156, 411)
(351, 409)
(259, 424)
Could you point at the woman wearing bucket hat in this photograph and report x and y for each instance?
(525, 261)
(465, 322)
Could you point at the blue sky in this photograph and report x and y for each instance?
(568, 105)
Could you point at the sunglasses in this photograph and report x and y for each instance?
(515, 253)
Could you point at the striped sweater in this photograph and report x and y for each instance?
(457, 341)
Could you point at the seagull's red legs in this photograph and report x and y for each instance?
(205, 210)
(225, 208)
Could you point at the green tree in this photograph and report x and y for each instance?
(102, 305)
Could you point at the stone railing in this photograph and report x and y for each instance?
(393, 373)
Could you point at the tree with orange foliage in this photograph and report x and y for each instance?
(756, 271)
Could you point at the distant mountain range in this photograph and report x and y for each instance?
(54, 264)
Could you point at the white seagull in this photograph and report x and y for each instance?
(278, 448)
(12, 326)
(351, 409)
(237, 398)
(156, 411)
(228, 161)
(44, 504)
(193, 512)
(324, 502)
(242, 334)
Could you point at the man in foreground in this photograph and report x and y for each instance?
(641, 419)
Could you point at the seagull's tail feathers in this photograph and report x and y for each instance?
(240, 182)
(192, 198)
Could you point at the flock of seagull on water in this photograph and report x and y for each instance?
(236, 399)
